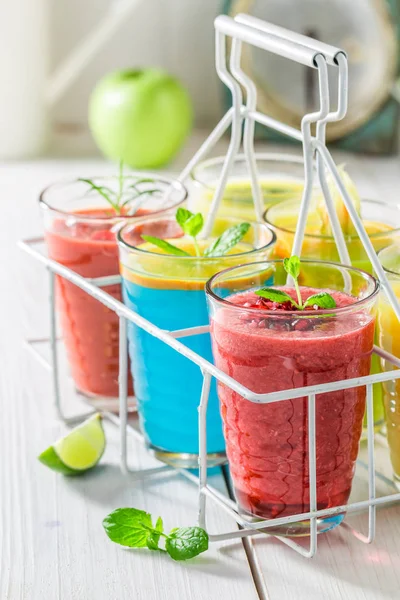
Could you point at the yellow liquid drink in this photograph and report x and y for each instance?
(389, 339)
(379, 220)
(281, 178)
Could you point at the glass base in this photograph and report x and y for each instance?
(301, 529)
(181, 460)
(107, 403)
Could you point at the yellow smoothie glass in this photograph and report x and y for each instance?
(382, 222)
(281, 178)
(388, 328)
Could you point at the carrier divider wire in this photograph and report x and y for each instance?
(242, 118)
(205, 490)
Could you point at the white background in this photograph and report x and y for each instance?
(177, 35)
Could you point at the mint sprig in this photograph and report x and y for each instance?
(191, 225)
(292, 268)
(229, 238)
(129, 191)
(133, 528)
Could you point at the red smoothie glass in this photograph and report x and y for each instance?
(80, 232)
(268, 349)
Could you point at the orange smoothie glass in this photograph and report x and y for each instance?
(382, 222)
(388, 327)
(80, 232)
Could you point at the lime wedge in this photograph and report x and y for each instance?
(80, 450)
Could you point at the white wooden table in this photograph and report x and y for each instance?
(52, 545)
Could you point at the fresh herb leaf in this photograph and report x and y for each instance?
(191, 224)
(323, 300)
(122, 197)
(164, 245)
(102, 190)
(276, 296)
(227, 240)
(154, 536)
(194, 225)
(182, 215)
(128, 527)
(134, 528)
(292, 267)
(186, 542)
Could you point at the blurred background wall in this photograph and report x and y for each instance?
(177, 35)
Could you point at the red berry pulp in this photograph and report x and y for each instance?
(267, 444)
(90, 330)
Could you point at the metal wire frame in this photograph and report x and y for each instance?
(171, 338)
(315, 55)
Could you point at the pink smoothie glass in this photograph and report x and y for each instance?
(268, 349)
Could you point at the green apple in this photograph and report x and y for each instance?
(140, 116)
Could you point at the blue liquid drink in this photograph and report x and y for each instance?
(168, 290)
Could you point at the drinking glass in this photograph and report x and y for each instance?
(168, 290)
(80, 232)
(271, 350)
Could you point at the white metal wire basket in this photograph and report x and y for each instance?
(242, 118)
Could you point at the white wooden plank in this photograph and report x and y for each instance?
(52, 545)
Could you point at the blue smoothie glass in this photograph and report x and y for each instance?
(168, 290)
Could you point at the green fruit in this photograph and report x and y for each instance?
(78, 451)
(140, 116)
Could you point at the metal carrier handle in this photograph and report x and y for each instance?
(267, 41)
(329, 52)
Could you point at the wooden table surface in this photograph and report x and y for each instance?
(52, 545)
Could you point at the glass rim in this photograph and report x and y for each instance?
(148, 218)
(175, 183)
(259, 156)
(382, 250)
(316, 236)
(295, 313)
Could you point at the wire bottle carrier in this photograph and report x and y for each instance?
(242, 118)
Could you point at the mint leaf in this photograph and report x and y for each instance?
(323, 300)
(154, 537)
(275, 296)
(227, 240)
(191, 223)
(104, 191)
(292, 266)
(194, 225)
(186, 542)
(128, 527)
(182, 215)
(164, 245)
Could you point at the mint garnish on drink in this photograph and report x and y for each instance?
(130, 192)
(292, 268)
(191, 225)
(134, 528)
